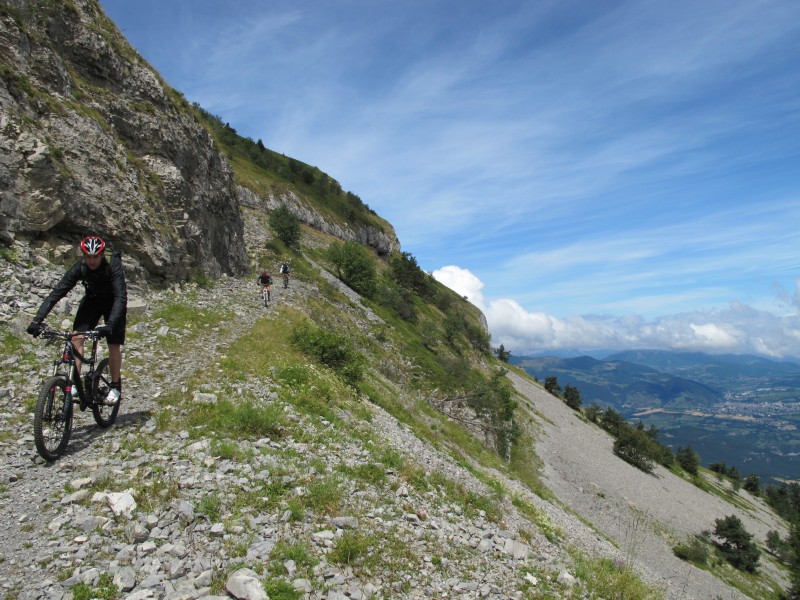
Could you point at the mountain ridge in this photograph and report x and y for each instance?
(415, 467)
(739, 410)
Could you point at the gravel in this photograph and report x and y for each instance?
(72, 522)
(645, 514)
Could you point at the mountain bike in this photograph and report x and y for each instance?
(285, 280)
(52, 419)
(265, 295)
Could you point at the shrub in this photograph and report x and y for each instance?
(331, 348)
(633, 446)
(286, 225)
(353, 266)
(695, 552)
(400, 300)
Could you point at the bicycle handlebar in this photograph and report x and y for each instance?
(51, 333)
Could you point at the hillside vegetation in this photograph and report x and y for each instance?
(357, 438)
(334, 441)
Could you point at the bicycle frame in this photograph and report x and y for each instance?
(70, 356)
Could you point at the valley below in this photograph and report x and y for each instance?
(740, 411)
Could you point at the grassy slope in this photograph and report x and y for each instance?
(414, 359)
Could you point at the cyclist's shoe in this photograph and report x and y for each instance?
(113, 397)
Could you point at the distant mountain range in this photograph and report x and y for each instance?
(738, 409)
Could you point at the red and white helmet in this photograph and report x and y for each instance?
(92, 245)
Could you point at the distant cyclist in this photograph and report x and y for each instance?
(265, 280)
(106, 296)
(285, 270)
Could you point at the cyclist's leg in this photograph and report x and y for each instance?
(87, 317)
(115, 341)
(115, 362)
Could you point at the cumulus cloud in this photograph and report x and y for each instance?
(739, 329)
(461, 281)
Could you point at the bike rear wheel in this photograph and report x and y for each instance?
(104, 415)
(52, 419)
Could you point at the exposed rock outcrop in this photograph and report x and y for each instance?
(384, 243)
(91, 140)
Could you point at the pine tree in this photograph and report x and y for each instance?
(572, 396)
(737, 544)
(688, 459)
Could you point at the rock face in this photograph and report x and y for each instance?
(93, 141)
(384, 243)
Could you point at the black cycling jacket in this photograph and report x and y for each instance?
(107, 281)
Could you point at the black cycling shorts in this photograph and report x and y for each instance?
(88, 316)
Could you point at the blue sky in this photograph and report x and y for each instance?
(616, 174)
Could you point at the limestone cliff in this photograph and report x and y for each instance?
(384, 240)
(93, 141)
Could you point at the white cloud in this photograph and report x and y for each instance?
(739, 329)
(461, 281)
(714, 337)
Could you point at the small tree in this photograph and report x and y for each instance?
(502, 354)
(406, 272)
(593, 412)
(612, 421)
(453, 327)
(634, 447)
(353, 266)
(286, 225)
(737, 544)
(493, 402)
(688, 459)
(551, 385)
(572, 396)
(780, 548)
(752, 484)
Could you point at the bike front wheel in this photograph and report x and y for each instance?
(104, 415)
(52, 419)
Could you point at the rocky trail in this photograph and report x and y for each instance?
(203, 525)
(63, 528)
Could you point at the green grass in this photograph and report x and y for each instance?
(210, 505)
(247, 418)
(184, 314)
(325, 495)
(156, 491)
(279, 589)
(352, 547)
(105, 590)
(605, 578)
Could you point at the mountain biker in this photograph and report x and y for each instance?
(285, 272)
(106, 295)
(265, 280)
